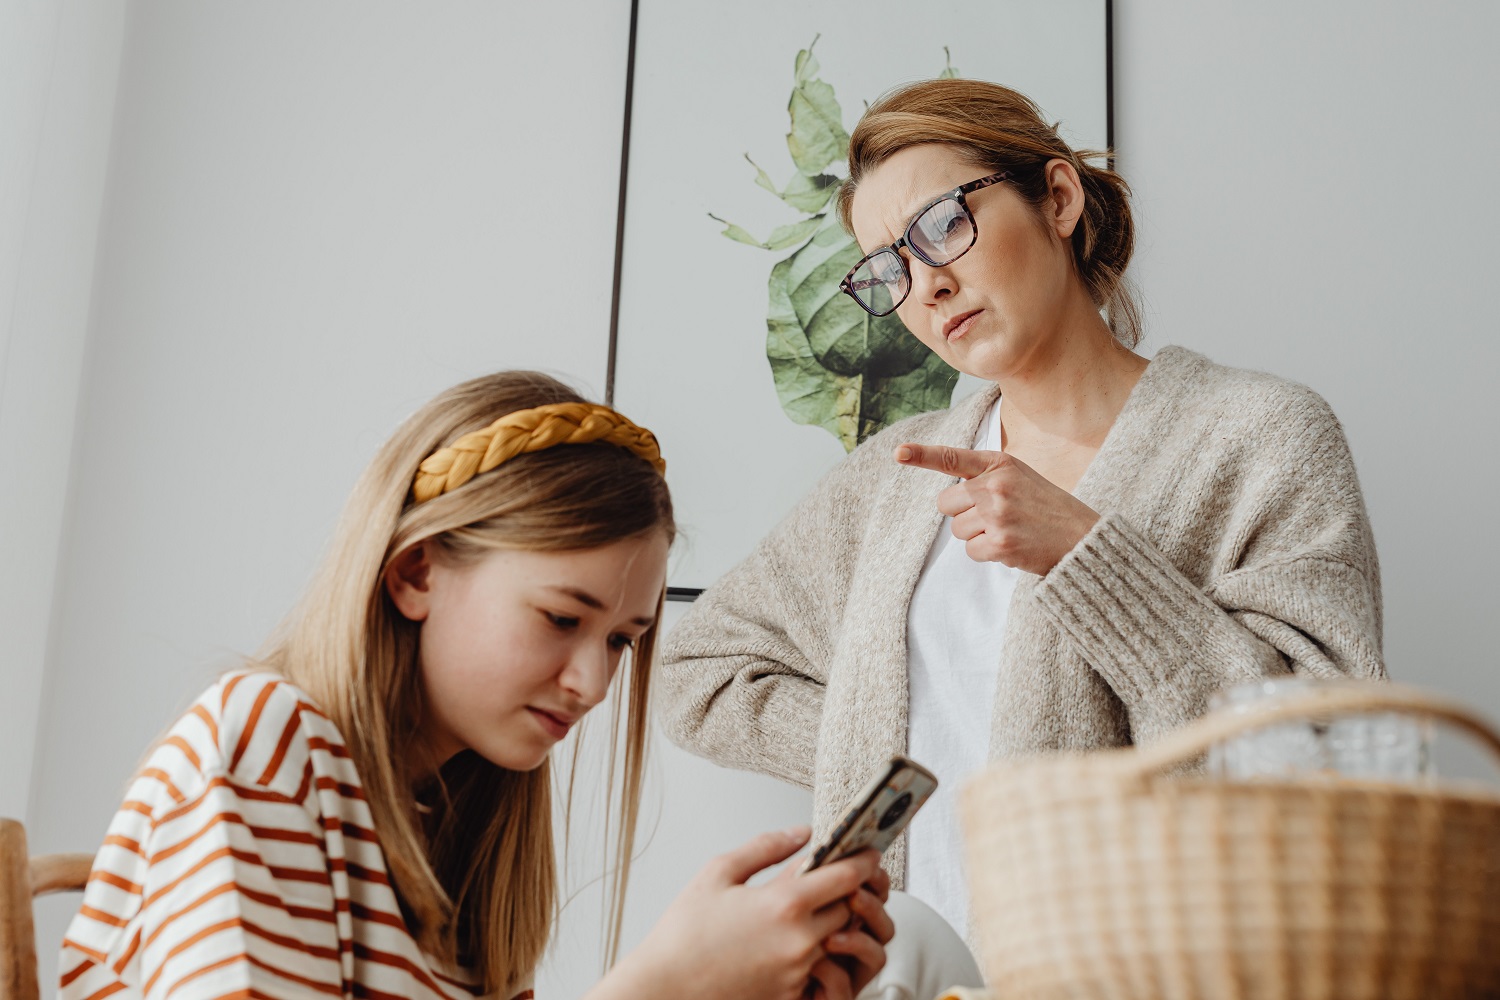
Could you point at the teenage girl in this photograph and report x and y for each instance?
(365, 810)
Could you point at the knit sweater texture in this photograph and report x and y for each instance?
(1233, 544)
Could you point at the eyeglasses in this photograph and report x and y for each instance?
(941, 232)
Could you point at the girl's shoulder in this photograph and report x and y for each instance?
(241, 696)
(258, 728)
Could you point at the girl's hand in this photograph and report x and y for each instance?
(728, 940)
(860, 947)
(1004, 510)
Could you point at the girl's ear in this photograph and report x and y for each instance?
(408, 580)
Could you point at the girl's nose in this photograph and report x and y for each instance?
(588, 673)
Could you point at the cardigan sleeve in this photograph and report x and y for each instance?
(744, 672)
(1297, 591)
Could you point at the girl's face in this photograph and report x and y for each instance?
(996, 309)
(517, 646)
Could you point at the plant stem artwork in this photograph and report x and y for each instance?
(834, 365)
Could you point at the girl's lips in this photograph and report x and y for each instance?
(954, 331)
(555, 727)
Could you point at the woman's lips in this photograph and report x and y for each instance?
(959, 325)
(554, 726)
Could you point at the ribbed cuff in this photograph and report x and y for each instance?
(1158, 640)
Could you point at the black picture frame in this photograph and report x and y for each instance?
(688, 594)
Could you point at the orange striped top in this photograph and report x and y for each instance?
(244, 863)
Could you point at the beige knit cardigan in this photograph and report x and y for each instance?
(1233, 544)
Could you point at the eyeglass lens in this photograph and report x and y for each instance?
(938, 236)
(881, 282)
(943, 232)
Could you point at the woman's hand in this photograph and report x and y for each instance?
(1004, 511)
(786, 939)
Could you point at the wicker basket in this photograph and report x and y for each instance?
(1102, 876)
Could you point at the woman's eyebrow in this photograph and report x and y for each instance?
(916, 198)
(909, 217)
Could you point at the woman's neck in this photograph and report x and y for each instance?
(1070, 393)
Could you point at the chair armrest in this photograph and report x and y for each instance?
(60, 872)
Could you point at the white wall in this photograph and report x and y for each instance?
(58, 67)
(1314, 192)
(313, 223)
(308, 231)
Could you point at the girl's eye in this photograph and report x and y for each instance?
(621, 642)
(561, 621)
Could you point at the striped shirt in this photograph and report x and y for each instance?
(244, 863)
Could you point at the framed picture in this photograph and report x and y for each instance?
(730, 339)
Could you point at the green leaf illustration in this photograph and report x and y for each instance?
(807, 64)
(762, 178)
(817, 137)
(950, 71)
(834, 365)
(809, 393)
(736, 233)
(781, 237)
(900, 378)
(809, 194)
(844, 338)
(790, 235)
(927, 387)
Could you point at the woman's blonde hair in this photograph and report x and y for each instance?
(997, 129)
(477, 877)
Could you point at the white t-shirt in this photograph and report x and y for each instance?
(954, 632)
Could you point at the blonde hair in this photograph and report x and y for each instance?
(481, 889)
(997, 129)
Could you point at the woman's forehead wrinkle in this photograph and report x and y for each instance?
(913, 197)
(884, 238)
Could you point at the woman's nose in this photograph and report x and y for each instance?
(928, 283)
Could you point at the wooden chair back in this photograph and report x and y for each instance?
(23, 878)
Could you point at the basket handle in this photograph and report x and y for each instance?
(1339, 698)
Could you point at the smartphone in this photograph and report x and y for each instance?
(879, 812)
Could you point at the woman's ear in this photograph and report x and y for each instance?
(1066, 190)
(408, 579)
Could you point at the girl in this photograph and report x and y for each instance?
(365, 812)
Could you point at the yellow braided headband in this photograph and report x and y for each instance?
(530, 430)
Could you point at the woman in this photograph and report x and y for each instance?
(366, 811)
(1123, 538)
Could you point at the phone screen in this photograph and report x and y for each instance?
(879, 813)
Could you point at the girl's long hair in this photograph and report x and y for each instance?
(477, 877)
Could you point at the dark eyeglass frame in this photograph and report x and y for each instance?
(960, 195)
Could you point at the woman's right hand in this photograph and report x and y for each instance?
(732, 941)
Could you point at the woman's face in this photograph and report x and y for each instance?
(517, 646)
(996, 309)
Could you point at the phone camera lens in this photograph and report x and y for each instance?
(896, 811)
